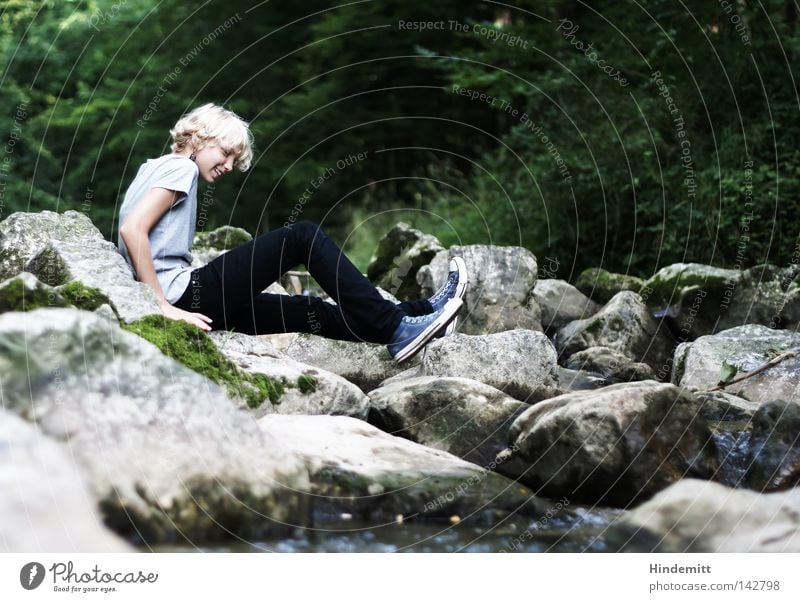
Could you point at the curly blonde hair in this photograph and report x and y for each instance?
(212, 124)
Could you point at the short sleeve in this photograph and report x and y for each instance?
(177, 174)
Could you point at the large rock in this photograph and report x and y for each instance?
(308, 390)
(624, 325)
(601, 285)
(616, 445)
(361, 470)
(97, 264)
(765, 295)
(22, 235)
(703, 516)
(164, 451)
(400, 254)
(694, 296)
(61, 248)
(501, 282)
(461, 416)
(561, 303)
(730, 419)
(25, 292)
(612, 365)
(698, 364)
(774, 462)
(209, 245)
(523, 362)
(44, 505)
(366, 366)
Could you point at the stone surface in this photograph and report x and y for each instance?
(616, 445)
(364, 365)
(309, 390)
(625, 325)
(98, 264)
(561, 303)
(22, 235)
(774, 462)
(703, 516)
(398, 258)
(164, 451)
(458, 415)
(767, 295)
(601, 285)
(361, 470)
(500, 293)
(612, 365)
(521, 363)
(698, 364)
(209, 245)
(44, 505)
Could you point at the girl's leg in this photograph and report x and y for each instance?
(298, 313)
(228, 285)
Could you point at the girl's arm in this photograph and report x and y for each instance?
(135, 232)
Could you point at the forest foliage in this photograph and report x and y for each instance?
(627, 135)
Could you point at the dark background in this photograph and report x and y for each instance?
(321, 81)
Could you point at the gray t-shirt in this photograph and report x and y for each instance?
(172, 236)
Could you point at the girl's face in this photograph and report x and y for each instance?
(214, 161)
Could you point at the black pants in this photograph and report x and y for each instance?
(228, 290)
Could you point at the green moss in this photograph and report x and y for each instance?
(193, 348)
(601, 285)
(223, 238)
(84, 297)
(15, 296)
(307, 383)
(670, 286)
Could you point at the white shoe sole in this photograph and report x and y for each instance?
(458, 264)
(417, 343)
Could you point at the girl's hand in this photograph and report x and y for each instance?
(196, 319)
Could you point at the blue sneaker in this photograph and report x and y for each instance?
(414, 332)
(455, 287)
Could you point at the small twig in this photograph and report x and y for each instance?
(773, 362)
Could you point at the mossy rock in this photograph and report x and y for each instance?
(191, 346)
(222, 239)
(671, 284)
(601, 285)
(25, 292)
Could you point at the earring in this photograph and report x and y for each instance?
(193, 156)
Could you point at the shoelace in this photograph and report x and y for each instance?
(445, 289)
(420, 319)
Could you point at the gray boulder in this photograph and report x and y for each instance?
(22, 235)
(611, 364)
(580, 380)
(774, 462)
(164, 451)
(400, 254)
(616, 445)
(209, 245)
(366, 366)
(694, 296)
(97, 264)
(521, 363)
(698, 364)
(457, 415)
(601, 285)
(625, 325)
(765, 295)
(374, 476)
(45, 506)
(561, 303)
(309, 390)
(703, 516)
(500, 294)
